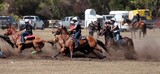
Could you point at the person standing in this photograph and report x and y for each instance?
(91, 28)
(98, 27)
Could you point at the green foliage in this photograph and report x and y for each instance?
(61, 8)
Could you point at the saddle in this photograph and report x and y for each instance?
(82, 37)
(121, 41)
(29, 37)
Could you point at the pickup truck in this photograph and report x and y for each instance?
(66, 21)
(35, 21)
(6, 20)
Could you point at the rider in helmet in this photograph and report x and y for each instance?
(138, 17)
(107, 23)
(72, 24)
(77, 29)
(115, 29)
(28, 30)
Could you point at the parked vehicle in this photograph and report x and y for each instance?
(6, 20)
(35, 21)
(107, 17)
(66, 21)
(142, 12)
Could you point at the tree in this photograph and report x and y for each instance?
(4, 8)
(27, 7)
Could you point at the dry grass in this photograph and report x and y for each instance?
(9, 66)
(147, 49)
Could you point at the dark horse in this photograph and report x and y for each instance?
(141, 26)
(87, 44)
(124, 43)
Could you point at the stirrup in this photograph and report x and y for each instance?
(76, 47)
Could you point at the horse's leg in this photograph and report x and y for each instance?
(98, 49)
(19, 49)
(140, 33)
(134, 31)
(56, 55)
(71, 50)
(36, 44)
(98, 34)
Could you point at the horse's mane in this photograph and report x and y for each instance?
(64, 29)
(13, 28)
(128, 20)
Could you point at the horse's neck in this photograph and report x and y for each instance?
(65, 36)
(15, 36)
(108, 33)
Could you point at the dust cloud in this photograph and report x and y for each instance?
(148, 49)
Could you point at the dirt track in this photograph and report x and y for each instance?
(147, 49)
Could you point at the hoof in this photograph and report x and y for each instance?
(34, 52)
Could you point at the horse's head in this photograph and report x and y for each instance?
(61, 30)
(126, 21)
(9, 31)
(106, 31)
(56, 31)
(123, 21)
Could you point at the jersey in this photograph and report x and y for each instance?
(28, 27)
(114, 25)
(78, 26)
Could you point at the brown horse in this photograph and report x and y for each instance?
(15, 37)
(86, 45)
(125, 43)
(141, 26)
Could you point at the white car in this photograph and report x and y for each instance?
(35, 21)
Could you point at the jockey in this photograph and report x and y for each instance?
(72, 25)
(28, 31)
(115, 29)
(138, 17)
(77, 29)
(107, 23)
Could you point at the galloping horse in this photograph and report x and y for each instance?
(15, 37)
(141, 26)
(87, 44)
(124, 43)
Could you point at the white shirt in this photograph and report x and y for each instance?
(116, 24)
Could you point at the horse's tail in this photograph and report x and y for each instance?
(7, 40)
(51, 42)
(144, 29)
(131, 49)
(100, 43)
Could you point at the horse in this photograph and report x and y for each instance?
(124, 43)
(32, 41)
(86, 45)
(141, 26)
